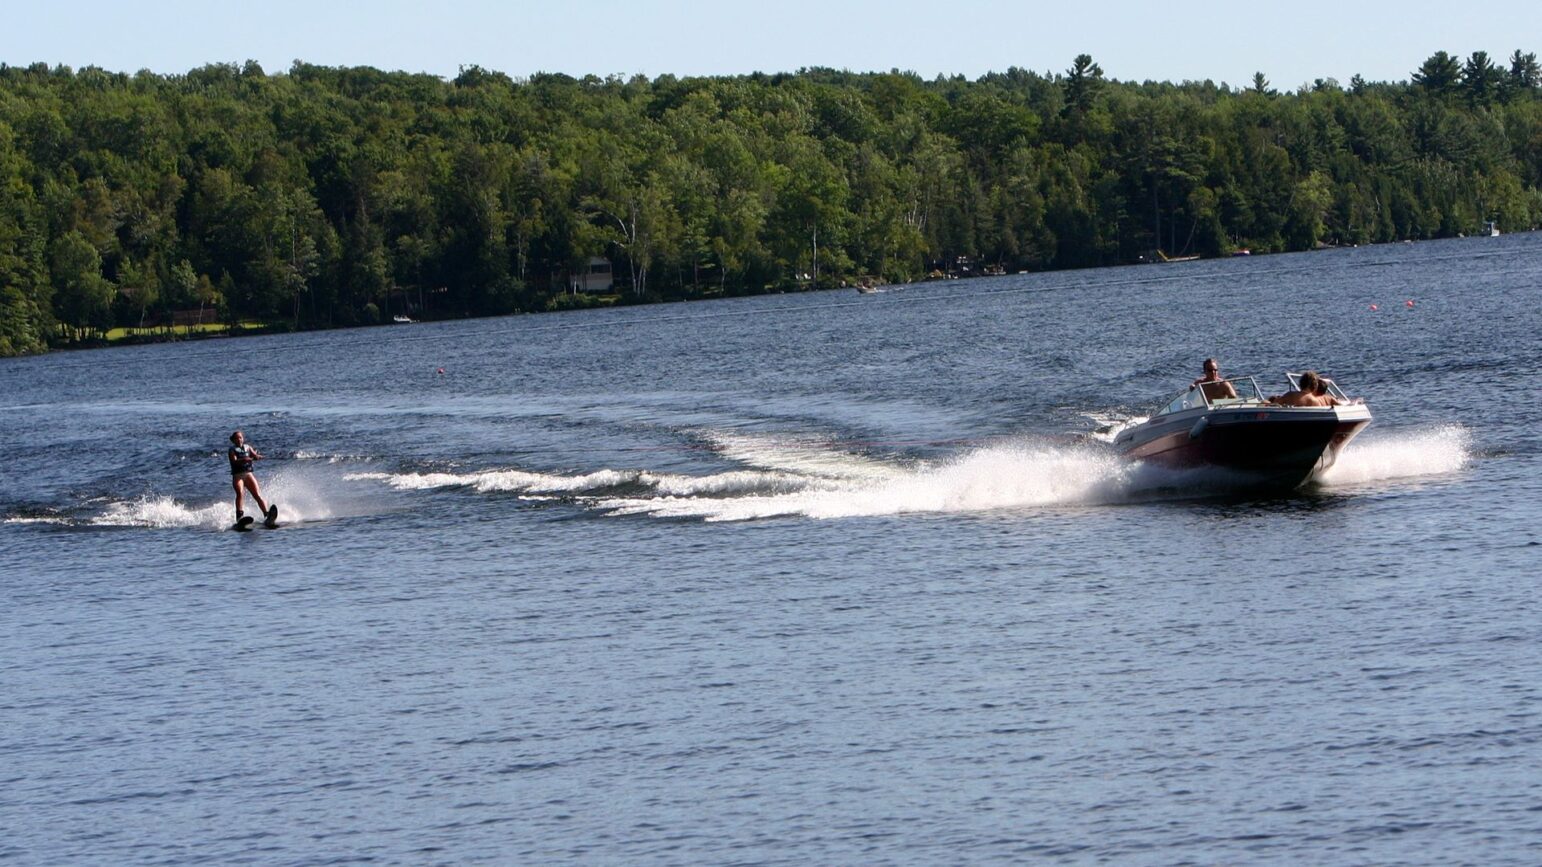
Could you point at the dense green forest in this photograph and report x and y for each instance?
(329, 197)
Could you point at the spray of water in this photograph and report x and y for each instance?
(803, 457)
(520, 481)
(1108, 426)
(1428, 452)
(996, 477)
(161, 512)
(793, 476)
(303, 495)
(782, 476)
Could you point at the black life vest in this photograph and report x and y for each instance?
(240, 459)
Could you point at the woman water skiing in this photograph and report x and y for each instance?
(241, 456)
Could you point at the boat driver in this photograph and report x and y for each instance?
(1214, 386)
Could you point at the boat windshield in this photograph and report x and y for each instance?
(1200, 397)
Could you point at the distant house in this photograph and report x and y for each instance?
(597, 278)
(194, 316)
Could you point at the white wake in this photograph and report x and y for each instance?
(800, 476)
(1402, 455)
(301, 495)
(995, 477)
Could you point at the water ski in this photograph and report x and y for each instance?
(272, 520)
(244, 523)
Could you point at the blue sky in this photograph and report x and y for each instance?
(1291, 43)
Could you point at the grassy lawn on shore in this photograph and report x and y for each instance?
(118, 334)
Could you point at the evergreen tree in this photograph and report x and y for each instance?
(1441, 74)
(1481, 79)
(1524, 73)
(1083, 82)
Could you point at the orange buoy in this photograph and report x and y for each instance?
(1410, 302)
(1374, 308)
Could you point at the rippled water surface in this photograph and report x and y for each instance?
(824, 578)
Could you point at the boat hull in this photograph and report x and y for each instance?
(1263, 446)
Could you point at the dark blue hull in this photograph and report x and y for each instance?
(1264, 446)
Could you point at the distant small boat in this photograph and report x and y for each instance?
(402, 320)
(1157, 256)
(1242, 252)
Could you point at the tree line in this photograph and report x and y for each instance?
(325, 197)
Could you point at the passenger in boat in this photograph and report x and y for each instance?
(1307, 395)
(1322, 392)
(1214, 386)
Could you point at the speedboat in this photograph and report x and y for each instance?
(1243, 437)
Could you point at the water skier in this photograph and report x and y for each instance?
(242, 456)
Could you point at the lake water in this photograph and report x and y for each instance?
(800, 579)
